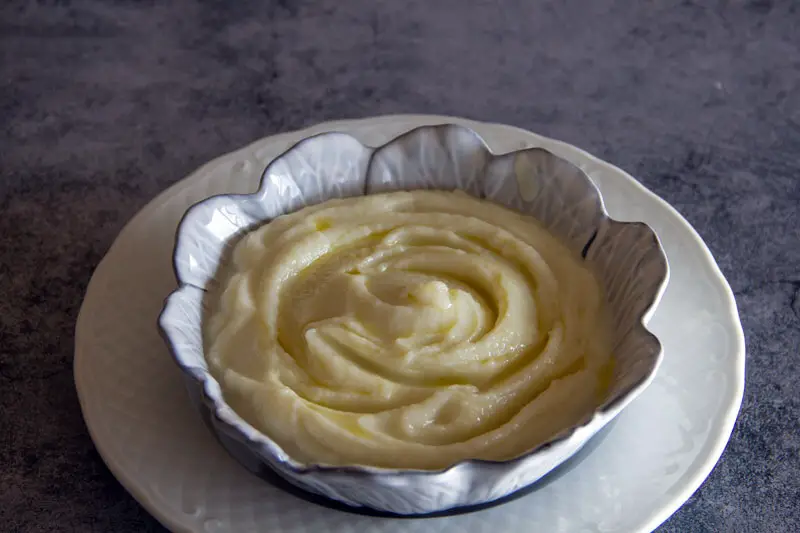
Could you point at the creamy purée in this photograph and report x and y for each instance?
(408, 330)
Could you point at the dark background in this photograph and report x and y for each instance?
(105, 103)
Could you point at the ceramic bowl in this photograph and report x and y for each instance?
(626, 257)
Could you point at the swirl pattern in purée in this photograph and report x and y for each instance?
(408, 330)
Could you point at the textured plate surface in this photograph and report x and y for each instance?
(658, 453)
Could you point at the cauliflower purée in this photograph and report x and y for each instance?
(408, 330)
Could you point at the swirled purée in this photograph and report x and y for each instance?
(408, 330)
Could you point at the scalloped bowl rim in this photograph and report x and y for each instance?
(220, 410)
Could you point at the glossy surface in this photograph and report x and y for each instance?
(657, 454)
(408, 330)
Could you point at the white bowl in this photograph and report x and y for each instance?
(626, 257)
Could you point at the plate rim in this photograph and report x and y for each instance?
(706, 459)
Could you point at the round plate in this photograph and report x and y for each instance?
(659, 451)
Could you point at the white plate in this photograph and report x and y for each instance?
(656, 455)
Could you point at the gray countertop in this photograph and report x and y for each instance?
(105, 103)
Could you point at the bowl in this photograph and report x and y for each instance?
(626, 257)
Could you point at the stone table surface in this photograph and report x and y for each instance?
(105, 103)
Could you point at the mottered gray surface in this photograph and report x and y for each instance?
(105, 103)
